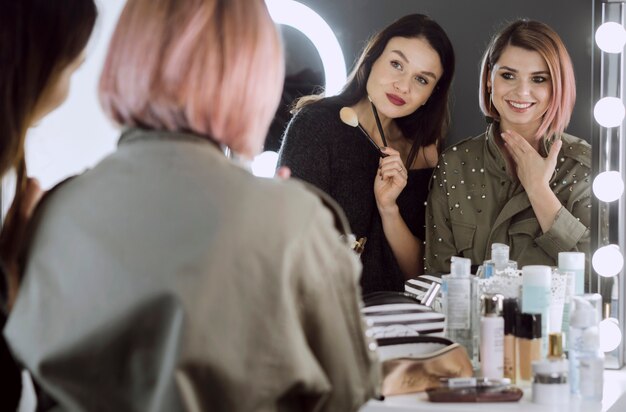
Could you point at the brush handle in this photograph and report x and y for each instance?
(378, 124)
(372, 141)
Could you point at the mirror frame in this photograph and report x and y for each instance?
(608, 219)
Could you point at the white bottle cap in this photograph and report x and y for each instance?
(537, 275)
(583, 314)
(460, 267)
(500, 254)
(572, 260)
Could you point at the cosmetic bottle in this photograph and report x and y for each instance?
(456, 301)
(500, 258)
(527, 345)
(500, 275)
(509, 313)
(536, 294)
(586, 360)
(550, 384)
(492, 336)
(567, 305)
(574, 262)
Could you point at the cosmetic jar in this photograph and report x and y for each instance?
(550, 381)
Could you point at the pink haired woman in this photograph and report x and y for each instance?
(524, 182)
(168, 277)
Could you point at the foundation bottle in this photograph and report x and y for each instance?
(527, 345)
(509, 313)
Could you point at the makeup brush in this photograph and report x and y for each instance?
(349, 117)
(380, 126)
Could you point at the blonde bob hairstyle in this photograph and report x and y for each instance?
(534, 36)
(210, 67)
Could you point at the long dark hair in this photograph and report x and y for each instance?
(427, 125)
(38, 39)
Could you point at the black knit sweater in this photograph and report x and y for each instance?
(337, 158)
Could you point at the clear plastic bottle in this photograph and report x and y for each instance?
(456, 288)
(502, 264)
(586, 360)
(498, 275)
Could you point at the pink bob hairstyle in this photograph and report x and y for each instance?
(210, 67)
(539, 37)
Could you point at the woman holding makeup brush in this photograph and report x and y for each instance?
(403, 75)
(524, 182)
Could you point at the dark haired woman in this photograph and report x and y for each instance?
(403, 75)
(42, 44)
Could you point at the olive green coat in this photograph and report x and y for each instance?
(474, 202)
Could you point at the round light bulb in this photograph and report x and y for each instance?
(609, 112)
(608, 261)
(608, 186)
(611, 37)
(610, 334)
(264, 165)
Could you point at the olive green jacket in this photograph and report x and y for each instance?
(168, 278)
(474, 202)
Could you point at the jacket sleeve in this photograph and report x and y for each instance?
(330, 315)
(305, 150)
(570, 230)
(440, 244)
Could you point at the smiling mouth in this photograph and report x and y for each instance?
(519, 105)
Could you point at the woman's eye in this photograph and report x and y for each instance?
(421, 80)
(539, 79)
(396, 65)
(507, 76)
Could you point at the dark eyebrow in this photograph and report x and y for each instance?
(403, 57)
(510, 69)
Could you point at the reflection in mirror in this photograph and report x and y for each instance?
(353, 23)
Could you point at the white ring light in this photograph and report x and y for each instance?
(305, 20)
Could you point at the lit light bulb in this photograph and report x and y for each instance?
(609, 112)
(610, 334)
(264, 165)
(611, 37)
(608, 186)
(313, 26)
(608, 261)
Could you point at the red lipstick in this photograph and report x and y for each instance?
(396, 100)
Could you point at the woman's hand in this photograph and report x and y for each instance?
(12, 237)
(390, 181)
(283, 172)
(533, 170)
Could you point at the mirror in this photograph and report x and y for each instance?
(469, 26)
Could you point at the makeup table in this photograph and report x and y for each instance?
(614, 400)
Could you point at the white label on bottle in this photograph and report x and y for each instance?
(492, 347)
(458, 304)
